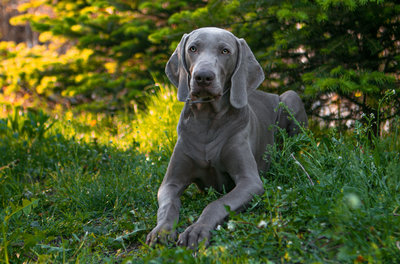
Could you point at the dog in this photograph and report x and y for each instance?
(223, 130)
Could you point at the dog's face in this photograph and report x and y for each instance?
(211, 56)
(209, 62)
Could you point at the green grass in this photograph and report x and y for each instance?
(155, 128)
(77, 191)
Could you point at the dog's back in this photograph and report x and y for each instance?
(263, 125)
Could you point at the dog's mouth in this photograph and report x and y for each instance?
(203, 99)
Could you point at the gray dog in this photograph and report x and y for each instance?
(223, 130)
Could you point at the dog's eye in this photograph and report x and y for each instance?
(193, 49)
(225, 51)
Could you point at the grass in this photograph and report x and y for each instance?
(78, 190)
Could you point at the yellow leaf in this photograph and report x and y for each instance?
(287, 257)
(76, 28)
(110, 66)
(45, 36)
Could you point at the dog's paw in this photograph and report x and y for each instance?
(161, 234)
(194, 235)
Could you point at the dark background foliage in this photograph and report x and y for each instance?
(341, 56)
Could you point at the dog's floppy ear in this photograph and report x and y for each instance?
(247, 76)
(176, 70)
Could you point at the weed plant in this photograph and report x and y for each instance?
(77, 191)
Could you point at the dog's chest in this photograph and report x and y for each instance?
(202, 143)
(203, 139)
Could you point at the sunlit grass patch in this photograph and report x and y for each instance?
(155, 127)
(85, 189)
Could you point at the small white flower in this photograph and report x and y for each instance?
(262, 224)
(218, 227)
(279, 188)
(353, 201)
(231, 225)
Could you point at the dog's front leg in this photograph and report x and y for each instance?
(175, 182)
(240, 164)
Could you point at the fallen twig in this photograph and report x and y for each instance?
(301, 166)
(395, 211)
(10, 165)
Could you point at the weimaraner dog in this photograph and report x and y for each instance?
(223, 130)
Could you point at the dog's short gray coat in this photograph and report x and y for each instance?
(223, 130)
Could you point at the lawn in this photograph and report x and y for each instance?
(82, 189)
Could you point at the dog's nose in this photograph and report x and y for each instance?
(204, 77)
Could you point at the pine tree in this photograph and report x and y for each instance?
(342, 53)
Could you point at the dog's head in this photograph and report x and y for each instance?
(210, 61)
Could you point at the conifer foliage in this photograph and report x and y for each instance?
(342, 56)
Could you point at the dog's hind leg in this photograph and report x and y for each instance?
(296, 107)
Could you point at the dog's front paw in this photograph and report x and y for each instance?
(195, 234)
(162, 233)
